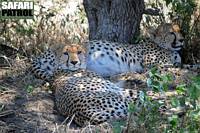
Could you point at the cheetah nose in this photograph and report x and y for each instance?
(74, 62)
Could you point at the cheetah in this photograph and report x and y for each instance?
(110, 58)
(83, 94)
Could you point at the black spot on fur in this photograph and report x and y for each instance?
(112, 112)
(116, 54)
(51, 62)
(100, 117)
(111, 58)
(131, 93)
(125, 59)
(133, 60)
(48, 68)
(118, 62)
(117, 104)
(122, 58)
(116, 108)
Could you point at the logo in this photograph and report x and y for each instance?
(16, 9)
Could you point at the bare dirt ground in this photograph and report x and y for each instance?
(26, 109)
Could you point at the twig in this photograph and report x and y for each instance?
(6, 113)
(69, 123)
(151, 11)
(6, 58)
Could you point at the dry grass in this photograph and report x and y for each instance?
(27, 105)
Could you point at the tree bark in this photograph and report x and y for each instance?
(113, 20)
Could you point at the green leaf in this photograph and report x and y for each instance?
(175, 102)
(173, 120)
(165, 86)
(149, 82)
(131, 107)
(180, 89)
(168, 2)
(29, 89)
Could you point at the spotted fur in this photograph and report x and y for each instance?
(110, 58)
(85, 95)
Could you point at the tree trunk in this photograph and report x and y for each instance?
(114, 20)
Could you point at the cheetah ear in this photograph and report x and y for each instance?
(158, 31)
(166, 28)
(150, 32)
(58, 48)
(175, 27)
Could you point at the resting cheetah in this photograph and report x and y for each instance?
(82, 93)
(109, 58)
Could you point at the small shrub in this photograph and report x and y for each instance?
(149, 118)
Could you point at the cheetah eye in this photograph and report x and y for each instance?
(65, 53)
(79, 52)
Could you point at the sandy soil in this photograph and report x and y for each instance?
(24, 108)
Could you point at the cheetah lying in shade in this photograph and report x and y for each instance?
(82, 93)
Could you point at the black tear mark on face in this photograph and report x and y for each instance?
(174, 41)
(65, 53)
(79, 52)
(67, 61)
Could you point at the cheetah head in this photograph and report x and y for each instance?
(168, 36)
(73, 57)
